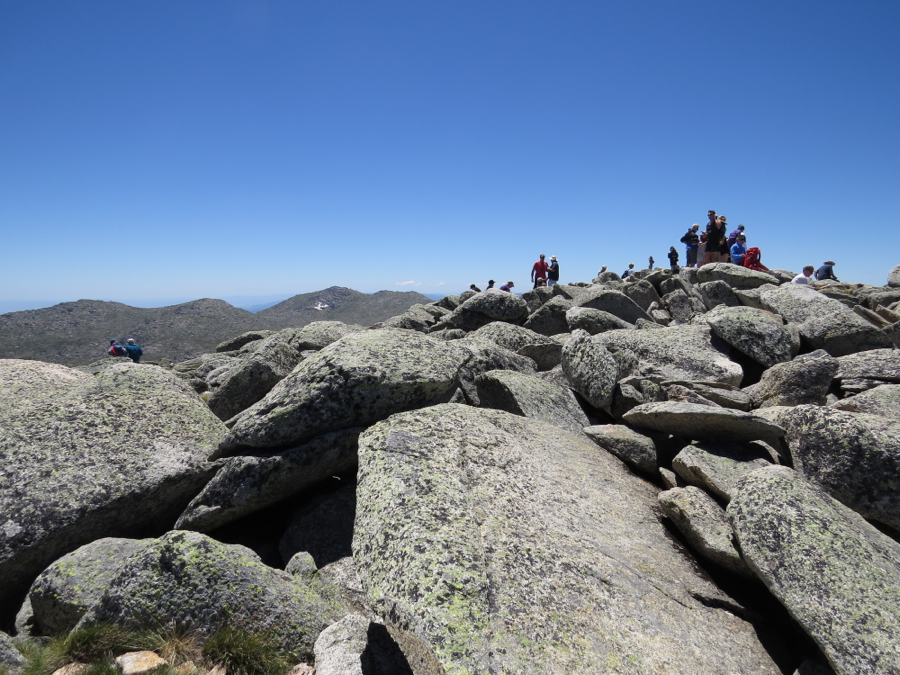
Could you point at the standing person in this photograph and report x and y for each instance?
(134, 350)
(803, 278)
(725, 248)
(539, 270)
(627, 273)
(691, 240)
(652, 262)
(673, 259)
(553, 273)
(508, 286)
(701, 250)
(739, 250)
(490, 284)
(826, 271)
(733, 237)
(715, 238)
(115, 349)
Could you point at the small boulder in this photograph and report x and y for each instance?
(806, 379)
(139, 663)
(616, 303)
(530, 396)
(497, 305)
(550, 319)
(594, 320)
(11, 659)
(644, 451)
(591, 370)
(760, 335)
(883, 400)
(718, 467)
(701, 422)
(718, 293)
(894, 277)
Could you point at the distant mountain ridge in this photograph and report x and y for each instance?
(77, 333)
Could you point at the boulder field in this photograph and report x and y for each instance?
(695, 472)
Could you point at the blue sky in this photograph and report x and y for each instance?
(155, 150)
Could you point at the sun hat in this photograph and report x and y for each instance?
(552, 257)
(131, 341)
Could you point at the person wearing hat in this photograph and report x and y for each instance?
(826, 271)
(627, 273)
(134, 351)
(508, 286)
(115, 349)
(716, 238)
(539, 270)
(553, 272)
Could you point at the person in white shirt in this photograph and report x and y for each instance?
(804, 278)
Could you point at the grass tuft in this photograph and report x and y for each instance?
(244, 653)
(97, 641)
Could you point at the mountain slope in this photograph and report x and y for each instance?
(78, 333)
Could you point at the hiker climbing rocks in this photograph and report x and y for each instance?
(627, 273)
(539, 270)
(508, 286)
(134, 351)
(473, 287)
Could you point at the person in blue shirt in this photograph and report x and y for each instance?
(134, 351)
(738, 250)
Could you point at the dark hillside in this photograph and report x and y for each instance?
(341, 304)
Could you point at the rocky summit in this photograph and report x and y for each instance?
(689, 472)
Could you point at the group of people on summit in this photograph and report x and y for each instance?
(132, 350)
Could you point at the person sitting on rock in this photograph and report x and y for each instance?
(115, 349)
(508, 286)
(539, 270)
(473, 287)
(627, 273)
(490, 284)
(753, 260)
(739, 250)
(826, 271)
(134, 350)
(803, 277)
(602, 270)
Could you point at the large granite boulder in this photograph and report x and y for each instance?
(760, 335)
(319, 334)
(843, 333)
(239, 341)
(248, 382)
(71, 585)
(704, 524)
(497, 305)
(591, 370)
(550, 318)
(484, 356)
(84, 457)
(616, 303)
(681, 306)
(247, 484)
(883, 400)
(854, 457)
(798, 303)
(718, 293)
(882, 365)
(202, 584)
(510, 336)
(676, 353)
(530, 396)
(642, 292)
(361, 378)
(894, 277)
(735, 276)
(11, 659)
(594, 320)
(702, 422)
(837, 575)
(512, 546)
(806, 379)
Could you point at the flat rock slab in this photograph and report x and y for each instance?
(735, 276)
(883, 400)
(247, 484)
(717, 467)
(876, 364)
(84, 457)
(676, 353)
(806, 379)
(647, 451)
(202, 584)
(702, 422)
(361, 378)
(512, 546)
(616, 303)
(798, 303)
(704, 524)
(854, 457)
(837, 575)
(530, 396)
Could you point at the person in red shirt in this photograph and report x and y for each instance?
(539, 271)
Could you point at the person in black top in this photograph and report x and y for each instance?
(716, 236)
(490, 284)
(673, 259)
(826, 271)
(553, 272)
(473, 287)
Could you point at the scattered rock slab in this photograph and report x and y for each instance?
(760, 335)
(701, 422)
(594, 320)
(461, 531)
(735, 276)
(877, 364)
(361, 378)
(806, 379)
(854, 457)
(530, 396)
(550, 318)
(837, 575)
(591, 370)
(717, 467)
(10, 658)
(644, 451)
(883, 400)
(704, 524)
(244, 338)
(248, 484)
(616, 303)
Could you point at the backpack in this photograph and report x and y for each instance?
(116, 350)
(751, 258)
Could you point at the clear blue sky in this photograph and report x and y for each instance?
(212, 149)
